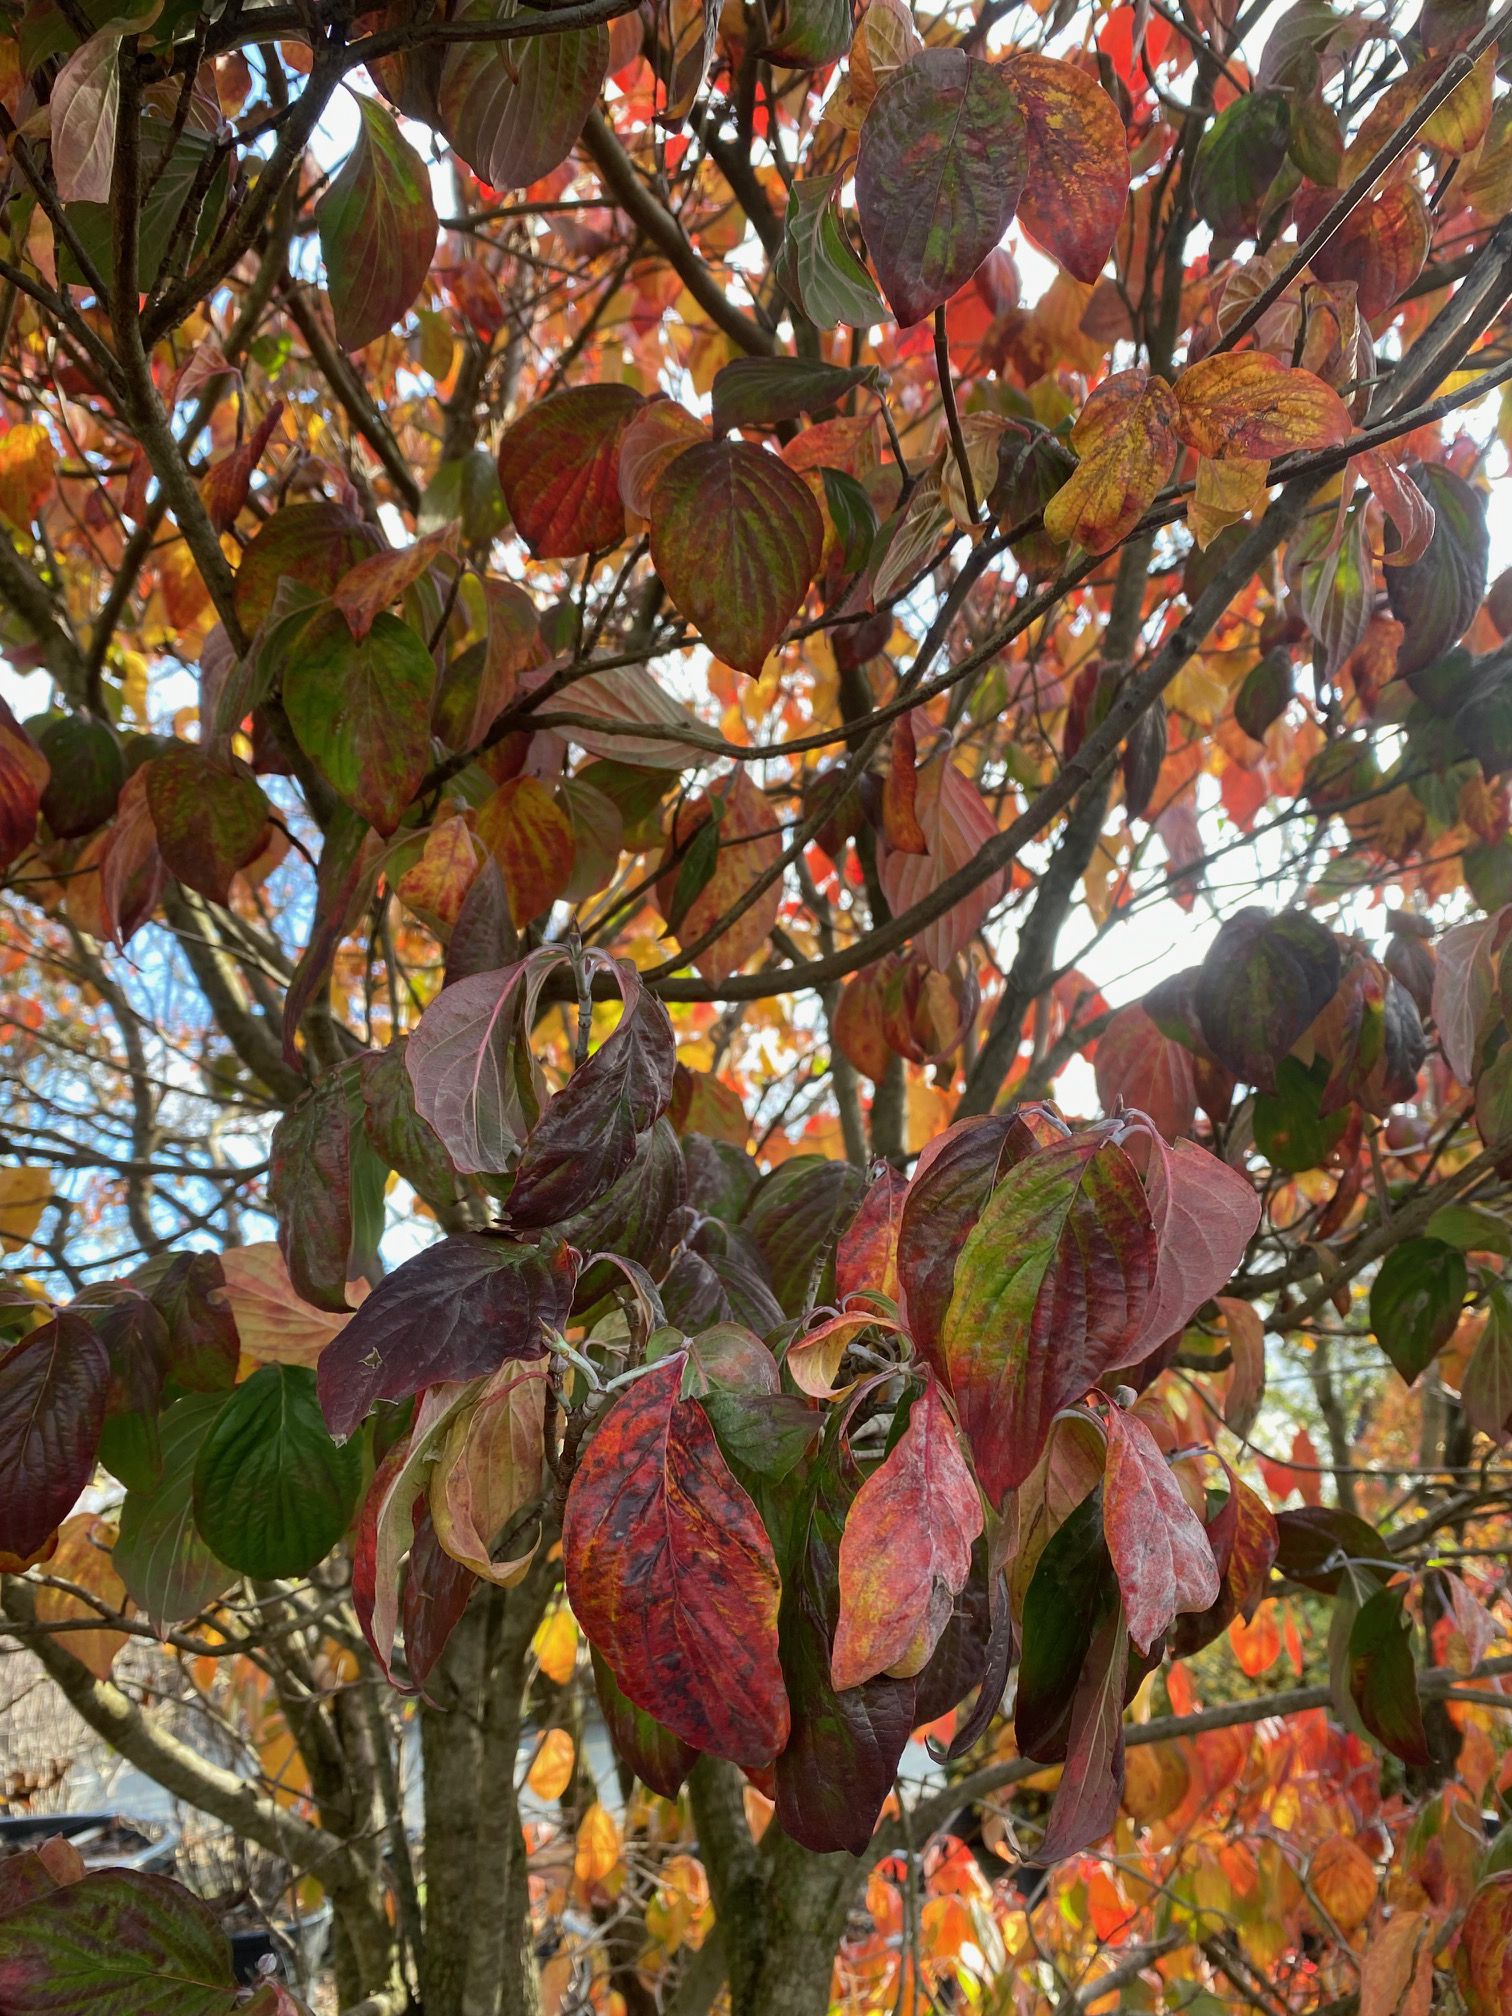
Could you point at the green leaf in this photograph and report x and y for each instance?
(514, 109)
(736, 537)
(765, 391)
(211, 818)
(167, 1565)
(116, 1943)
(1292, 1131)
(377, 228)
(361, 712)
(819, 266)
(852, 514)
(1383, 1679)
(941, 167)
(163, 208)
(1237, 160)
(1415, 1302)
(272, 1492)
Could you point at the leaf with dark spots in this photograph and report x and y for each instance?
(1264, 981)
(952, 1181)
(838, 1767)
(657, 1757)
(1238, 159)
(1077, 185)
(1383, 1680)
(310, 1189)
(906, 1550)
(794, 1215)
(672, 1576)
(559, 468)
(736, 537)
(1051, 1289)
(586, 1138)
(1086, 1800)
(1159, 1551)
(475, 1080)
(941, 168)
(456, 1311)
(53, 1386)
(211, 818)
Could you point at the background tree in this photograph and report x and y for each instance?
(618, 615)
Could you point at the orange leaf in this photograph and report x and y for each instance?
(550, 1770)
(1343, 1880)
(380, 579)
(1250, 404)
(1396, 1974)
(1124, 436)
(900, 822)
(530, 837)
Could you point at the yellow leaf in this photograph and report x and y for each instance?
(1225, 493)
(1249, 404)
(555, 1645)
(598, 1847)
(1125, 439)
(23, 1198)
(550, 1771)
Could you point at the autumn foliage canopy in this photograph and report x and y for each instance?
(636, 634)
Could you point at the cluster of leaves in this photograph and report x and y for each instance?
(720, 580)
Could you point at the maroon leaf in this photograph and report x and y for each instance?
(53, 1386)
(1263, 981)
(586, 1138)
(657, 1757)
(1160, 1552)
(456, 1311)
(1435, 597)
(23, 779)
(736, 538)
(190, 1295)
(559, 469)
(474, 1078)
(1050, 1290)
(1139, 1065)
(671, 1574)
(437, 1590)
(941, 168)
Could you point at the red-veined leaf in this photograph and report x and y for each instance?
(559, 469)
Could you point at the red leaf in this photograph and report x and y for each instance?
(378, 581)
(23, 778)
(530, 836)
(53, 1386)
(900, 820)
(559, 470)
(938, 176)
(1078, 171)
(1050, 1291)
(1159, 1549)
(957, 824)
(1138, 1065)
(377, 226)
(736, 538)
(211, 818)
(1204, 1215)
(514, 110)
(906, 1550)
(867, 1258)
(671, 1574)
